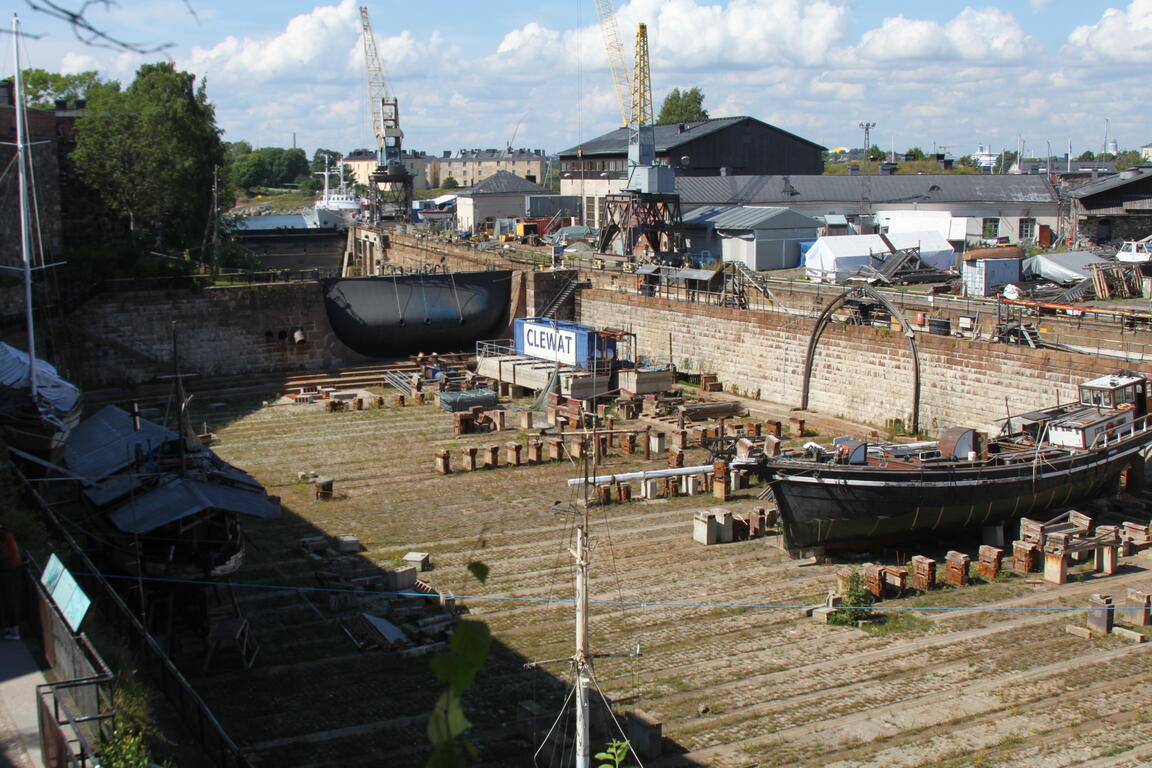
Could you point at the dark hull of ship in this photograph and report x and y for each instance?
(24, 426)
(846, 506)
(399, 314)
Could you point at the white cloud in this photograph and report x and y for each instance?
(988, 34)
(1120, 36)
(313, 46)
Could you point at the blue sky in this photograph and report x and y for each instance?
(930, 74)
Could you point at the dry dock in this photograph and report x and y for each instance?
(729, 665)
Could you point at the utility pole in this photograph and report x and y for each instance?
(867, 132)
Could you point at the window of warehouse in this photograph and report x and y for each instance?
(1027, 230)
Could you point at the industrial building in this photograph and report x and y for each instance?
(1115, 208)
(963, 208)
(501, 195)
(717, 147)
(761, 237)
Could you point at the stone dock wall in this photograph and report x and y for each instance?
(860, 373)
(118, 338)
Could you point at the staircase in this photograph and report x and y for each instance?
(758, 282)
(563, 293)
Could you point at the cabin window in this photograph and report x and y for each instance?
(1101, 398)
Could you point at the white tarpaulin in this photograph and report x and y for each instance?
(837, 258)
(1062, 267)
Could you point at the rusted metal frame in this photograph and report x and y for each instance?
(825, 318)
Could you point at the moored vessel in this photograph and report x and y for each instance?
(857, 494)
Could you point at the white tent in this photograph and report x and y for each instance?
(837, 258)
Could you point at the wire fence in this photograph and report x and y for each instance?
(217, 745)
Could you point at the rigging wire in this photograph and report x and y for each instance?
(562, 714)
(641, 603)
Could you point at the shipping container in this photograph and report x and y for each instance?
(563, 342)
(982, 277)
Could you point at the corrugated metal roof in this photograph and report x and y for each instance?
(504, 183)
(792, 190)
(748, 217)
(183, 497)
(1112, 182)
(668, 136)
(105, 443)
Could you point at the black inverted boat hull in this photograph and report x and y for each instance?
(398, 314)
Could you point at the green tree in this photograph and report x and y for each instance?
(1127, 159)
(318, 157)
(683, 106)
(42, 88)
(150, 150)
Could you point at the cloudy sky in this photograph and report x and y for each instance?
(931, 74)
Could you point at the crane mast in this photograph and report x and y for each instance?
(606, 10)
(641, 134)
(385, 117)
(385, 109)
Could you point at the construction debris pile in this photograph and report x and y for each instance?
(378, 607)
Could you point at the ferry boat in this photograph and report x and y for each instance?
(856, 495)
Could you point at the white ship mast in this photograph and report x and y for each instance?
(25, 203)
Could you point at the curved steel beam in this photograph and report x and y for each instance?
(826, 317)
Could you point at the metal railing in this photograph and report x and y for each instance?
(217, 745)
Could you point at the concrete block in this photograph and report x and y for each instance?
(1129, 634)
(645, 734)
(822, 613)
(705, 528)
(1100, 614)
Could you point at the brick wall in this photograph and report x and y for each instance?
(127, 337)
(860, 373)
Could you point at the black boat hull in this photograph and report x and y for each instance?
(830, 505)
(397, 314)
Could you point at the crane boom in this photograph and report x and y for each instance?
(385, 109)
(606, 10)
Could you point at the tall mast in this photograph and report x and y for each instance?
(22, 182)
(582, 660)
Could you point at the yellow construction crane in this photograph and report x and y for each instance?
(641, 134)
(606, 10)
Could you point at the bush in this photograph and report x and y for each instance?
(857, 598)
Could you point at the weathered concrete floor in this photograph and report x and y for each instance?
(969, 688)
